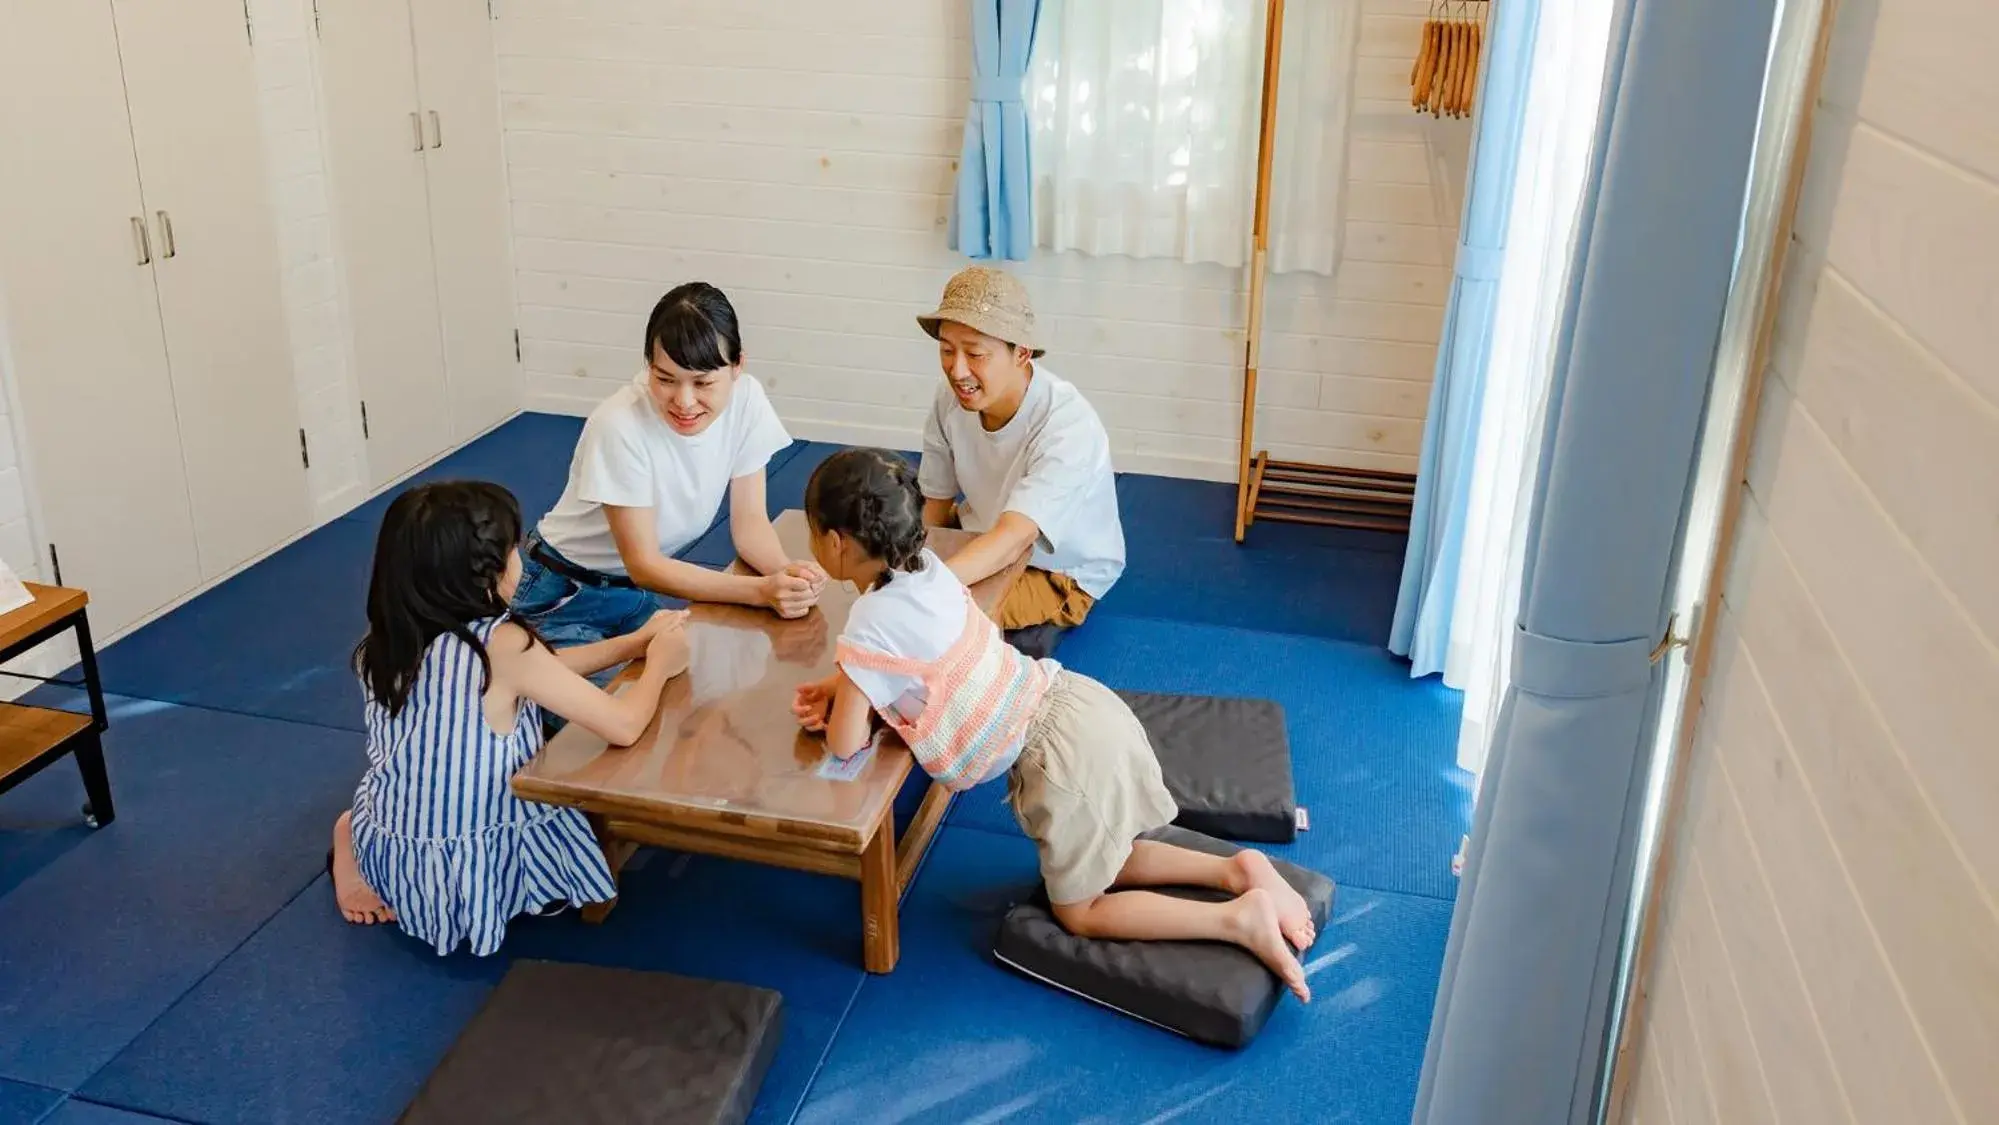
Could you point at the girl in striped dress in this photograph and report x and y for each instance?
(1080, 773)
(436, 841)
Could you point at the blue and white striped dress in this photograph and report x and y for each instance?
(438, 833)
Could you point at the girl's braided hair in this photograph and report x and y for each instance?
(871, 496)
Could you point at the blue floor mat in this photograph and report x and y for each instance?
(317, 1021)
(1003, 1047)
(1372, 753)
(529, 454)
(313, 1020)
(221, 819)
(273, 641)
(1182, 563)
(24, 1105)
(79, 1112)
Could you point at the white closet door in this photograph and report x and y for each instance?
(193, 95)
(81, 322)
(459, 83)
(382, 228)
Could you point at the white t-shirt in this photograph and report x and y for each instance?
(1051, 462)
(628, 457)
(918, 615)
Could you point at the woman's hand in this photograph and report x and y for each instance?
(808, 570)
(788, 593)
(813, 703)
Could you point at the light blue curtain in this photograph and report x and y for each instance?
(993, 214)
(1422, 627)
(1518, 1033)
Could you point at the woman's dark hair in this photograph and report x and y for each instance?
(439, 559)
(695, 325)
(871, 496)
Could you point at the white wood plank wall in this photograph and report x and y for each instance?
(800, 155)
(1831, 950)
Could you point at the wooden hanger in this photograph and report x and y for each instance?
(1444, 79)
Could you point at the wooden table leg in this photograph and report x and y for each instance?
(922, 828)
(881, 894)
(616, 853)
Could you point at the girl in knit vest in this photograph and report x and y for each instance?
(1080, 774)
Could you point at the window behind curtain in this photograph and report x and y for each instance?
(1144, 119)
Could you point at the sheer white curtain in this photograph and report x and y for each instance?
(1144, 127)
(1564, 94)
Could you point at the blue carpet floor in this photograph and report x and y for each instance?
(186, 963)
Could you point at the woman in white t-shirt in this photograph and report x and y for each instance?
(1014, 452)
(653, 465)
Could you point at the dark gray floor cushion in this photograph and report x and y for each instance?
(1227, 763)
(1207, 991)
(1038, 641)
(582, 1044)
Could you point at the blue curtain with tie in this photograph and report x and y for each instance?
(993, 214)
(1520, 1031)
(1422, 627)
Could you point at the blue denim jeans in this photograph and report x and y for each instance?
(567, 613)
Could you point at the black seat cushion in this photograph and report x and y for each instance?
(1226, 761)
(582, 1044)
(1207, 991)
(1038, 641)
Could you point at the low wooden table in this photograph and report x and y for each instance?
(725, 770)
(32, 738)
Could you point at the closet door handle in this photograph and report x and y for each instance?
(416, 127)
(166, 235)
(436, 131)
(141, 240)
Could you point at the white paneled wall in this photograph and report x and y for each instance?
(1830, 950)
(801, 154)
(287, 75)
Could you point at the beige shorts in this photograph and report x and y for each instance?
(1087, 784)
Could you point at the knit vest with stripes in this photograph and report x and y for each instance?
(980, 697)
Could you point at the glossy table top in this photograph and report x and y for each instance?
(723, 748)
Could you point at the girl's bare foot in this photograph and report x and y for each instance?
(1294, 917)
(358, 901)
(1254, 921)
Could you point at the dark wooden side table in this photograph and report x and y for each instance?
(33, 737)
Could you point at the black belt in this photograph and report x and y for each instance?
(541, 552)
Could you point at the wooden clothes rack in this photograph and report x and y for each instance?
(1299, 491)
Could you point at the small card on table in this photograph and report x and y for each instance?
(833, 769)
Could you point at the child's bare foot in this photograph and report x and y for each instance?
(358, 901)
(1256, 929)
(1294, 917)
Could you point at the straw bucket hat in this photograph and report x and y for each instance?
(987, 300)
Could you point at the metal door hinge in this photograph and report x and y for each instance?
(249, 30)
(55, 564)
(517, 345)
(1674, 639)
(364, 419)
(315, 19)
(304, 455)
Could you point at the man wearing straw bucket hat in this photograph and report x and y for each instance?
(1014, 452)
